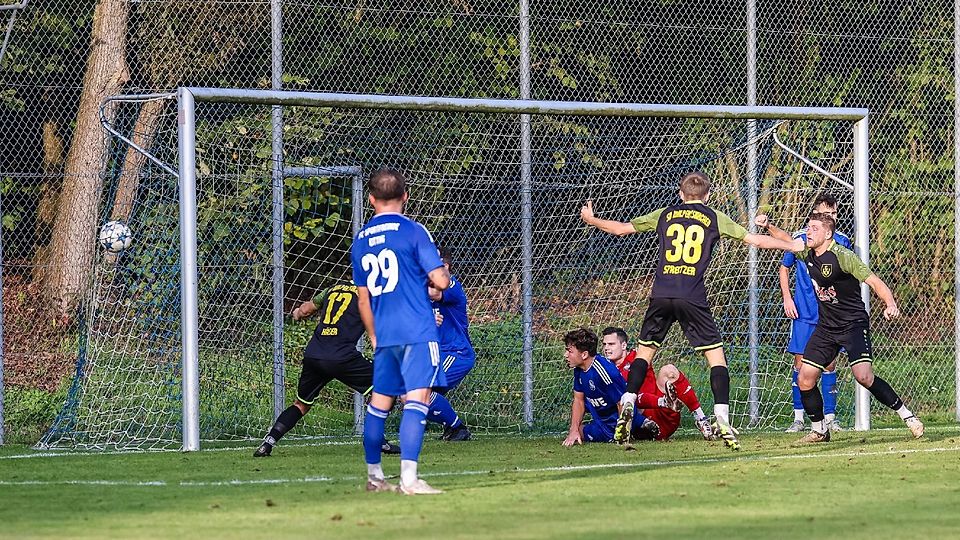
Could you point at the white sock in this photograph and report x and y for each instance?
(699, 414)
(798, 415)
(818, 427)
(374, 471)
(904, 412)
(408, 471)
(828, 418)
(722, 412)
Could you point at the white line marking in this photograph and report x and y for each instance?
(558, 468)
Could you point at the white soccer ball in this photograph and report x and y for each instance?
(115, 236)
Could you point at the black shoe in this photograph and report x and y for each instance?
(458, 434)
(389, 448)
(263, 450)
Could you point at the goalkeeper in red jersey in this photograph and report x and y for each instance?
(661, 394)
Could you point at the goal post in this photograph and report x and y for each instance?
(188, 97)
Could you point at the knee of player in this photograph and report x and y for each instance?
(864, 376)
(304, 407)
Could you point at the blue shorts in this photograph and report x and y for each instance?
(800, 332)
(597, 432)
(398, 368)
(456, 365)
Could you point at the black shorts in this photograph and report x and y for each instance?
(354, 371)
(825, 343)
(695, 319)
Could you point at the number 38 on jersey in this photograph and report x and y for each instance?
(383, 271)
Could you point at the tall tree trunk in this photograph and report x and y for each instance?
(144, 131)
(72, 247)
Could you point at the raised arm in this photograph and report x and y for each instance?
(577, 410)
(778, 239)
(618, 228)
(891, 311)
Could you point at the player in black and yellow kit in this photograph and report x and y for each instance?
(836, 273)
(331, 354)
(687, 234)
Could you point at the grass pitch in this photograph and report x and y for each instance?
(882, 484)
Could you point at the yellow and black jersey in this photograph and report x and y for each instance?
(836, 277)
(339, 326)
(687, 233)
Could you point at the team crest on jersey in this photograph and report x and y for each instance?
(826, 270)
(592, 386)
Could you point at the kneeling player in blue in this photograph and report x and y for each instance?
(394, 259)
(456, 352)
(597, 388)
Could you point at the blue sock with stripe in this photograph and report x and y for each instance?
(829, 382)
(412, 424)
(797, 402)
(442, 412)
(374, 424)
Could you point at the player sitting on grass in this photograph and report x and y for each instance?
(456, 352)
(844, 322)
(661, 394)
(597, 387)
(802, 309)
(331, 354)
(686, 234)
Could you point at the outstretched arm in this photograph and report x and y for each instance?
(606, 225)
(778, 239)
(576, 418)
(880, 288)
(304, 310)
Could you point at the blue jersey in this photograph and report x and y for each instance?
(602, 385)
(391, 256)
(804, 297)
(454, 335)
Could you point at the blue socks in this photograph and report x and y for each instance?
(374, 424)
(412, 425)
(797, 402)
(442, 412)
(829, 381)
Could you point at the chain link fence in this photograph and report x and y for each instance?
(61, 176)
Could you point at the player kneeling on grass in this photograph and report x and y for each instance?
(331, 354)
(661, 394)
(456, 352)
(597, 387)
(836, 273)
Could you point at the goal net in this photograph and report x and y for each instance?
(469, 187)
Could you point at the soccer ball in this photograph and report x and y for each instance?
(115, 236)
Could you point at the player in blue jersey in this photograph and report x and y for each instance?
(802, 309)
(597, 388)
(394, 260)
(456, 352)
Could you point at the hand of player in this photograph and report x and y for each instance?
(627, 397)
(296, 314)
(790, 308)
(762, 221)
(586, 211)
(572, 439)
(438, 317)
(891, 312)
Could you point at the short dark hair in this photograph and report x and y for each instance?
(825, 198)
(446, 256)
(826, 219)
(695, 184)
(620, 332)
(387, 184)
(583, 339)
